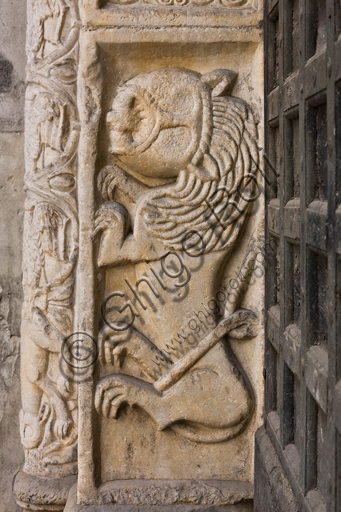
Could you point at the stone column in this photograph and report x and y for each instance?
(48, 418)
(142, 327)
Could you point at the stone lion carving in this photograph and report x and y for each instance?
(176, 200)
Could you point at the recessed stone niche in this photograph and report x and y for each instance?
(142, 330)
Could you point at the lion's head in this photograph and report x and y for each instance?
(185, 130)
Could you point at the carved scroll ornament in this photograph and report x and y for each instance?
(232, 4)
(48, 419)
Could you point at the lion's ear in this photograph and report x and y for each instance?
(221, 81)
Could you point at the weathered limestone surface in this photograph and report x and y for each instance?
(142, 323)
(12, 65)
(11, 226)
(12, 76)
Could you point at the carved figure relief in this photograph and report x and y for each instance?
(176, 201)
(49, 403)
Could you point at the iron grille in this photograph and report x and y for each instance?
(303, 287)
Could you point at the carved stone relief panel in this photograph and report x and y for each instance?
(143, 273)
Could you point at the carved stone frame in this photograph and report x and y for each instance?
(90, 110)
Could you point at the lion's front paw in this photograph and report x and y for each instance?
(113, 346)
(112, 215)
(113, 223)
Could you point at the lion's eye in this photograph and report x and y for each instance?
(131, 119)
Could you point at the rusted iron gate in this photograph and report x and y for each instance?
(303, 145)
